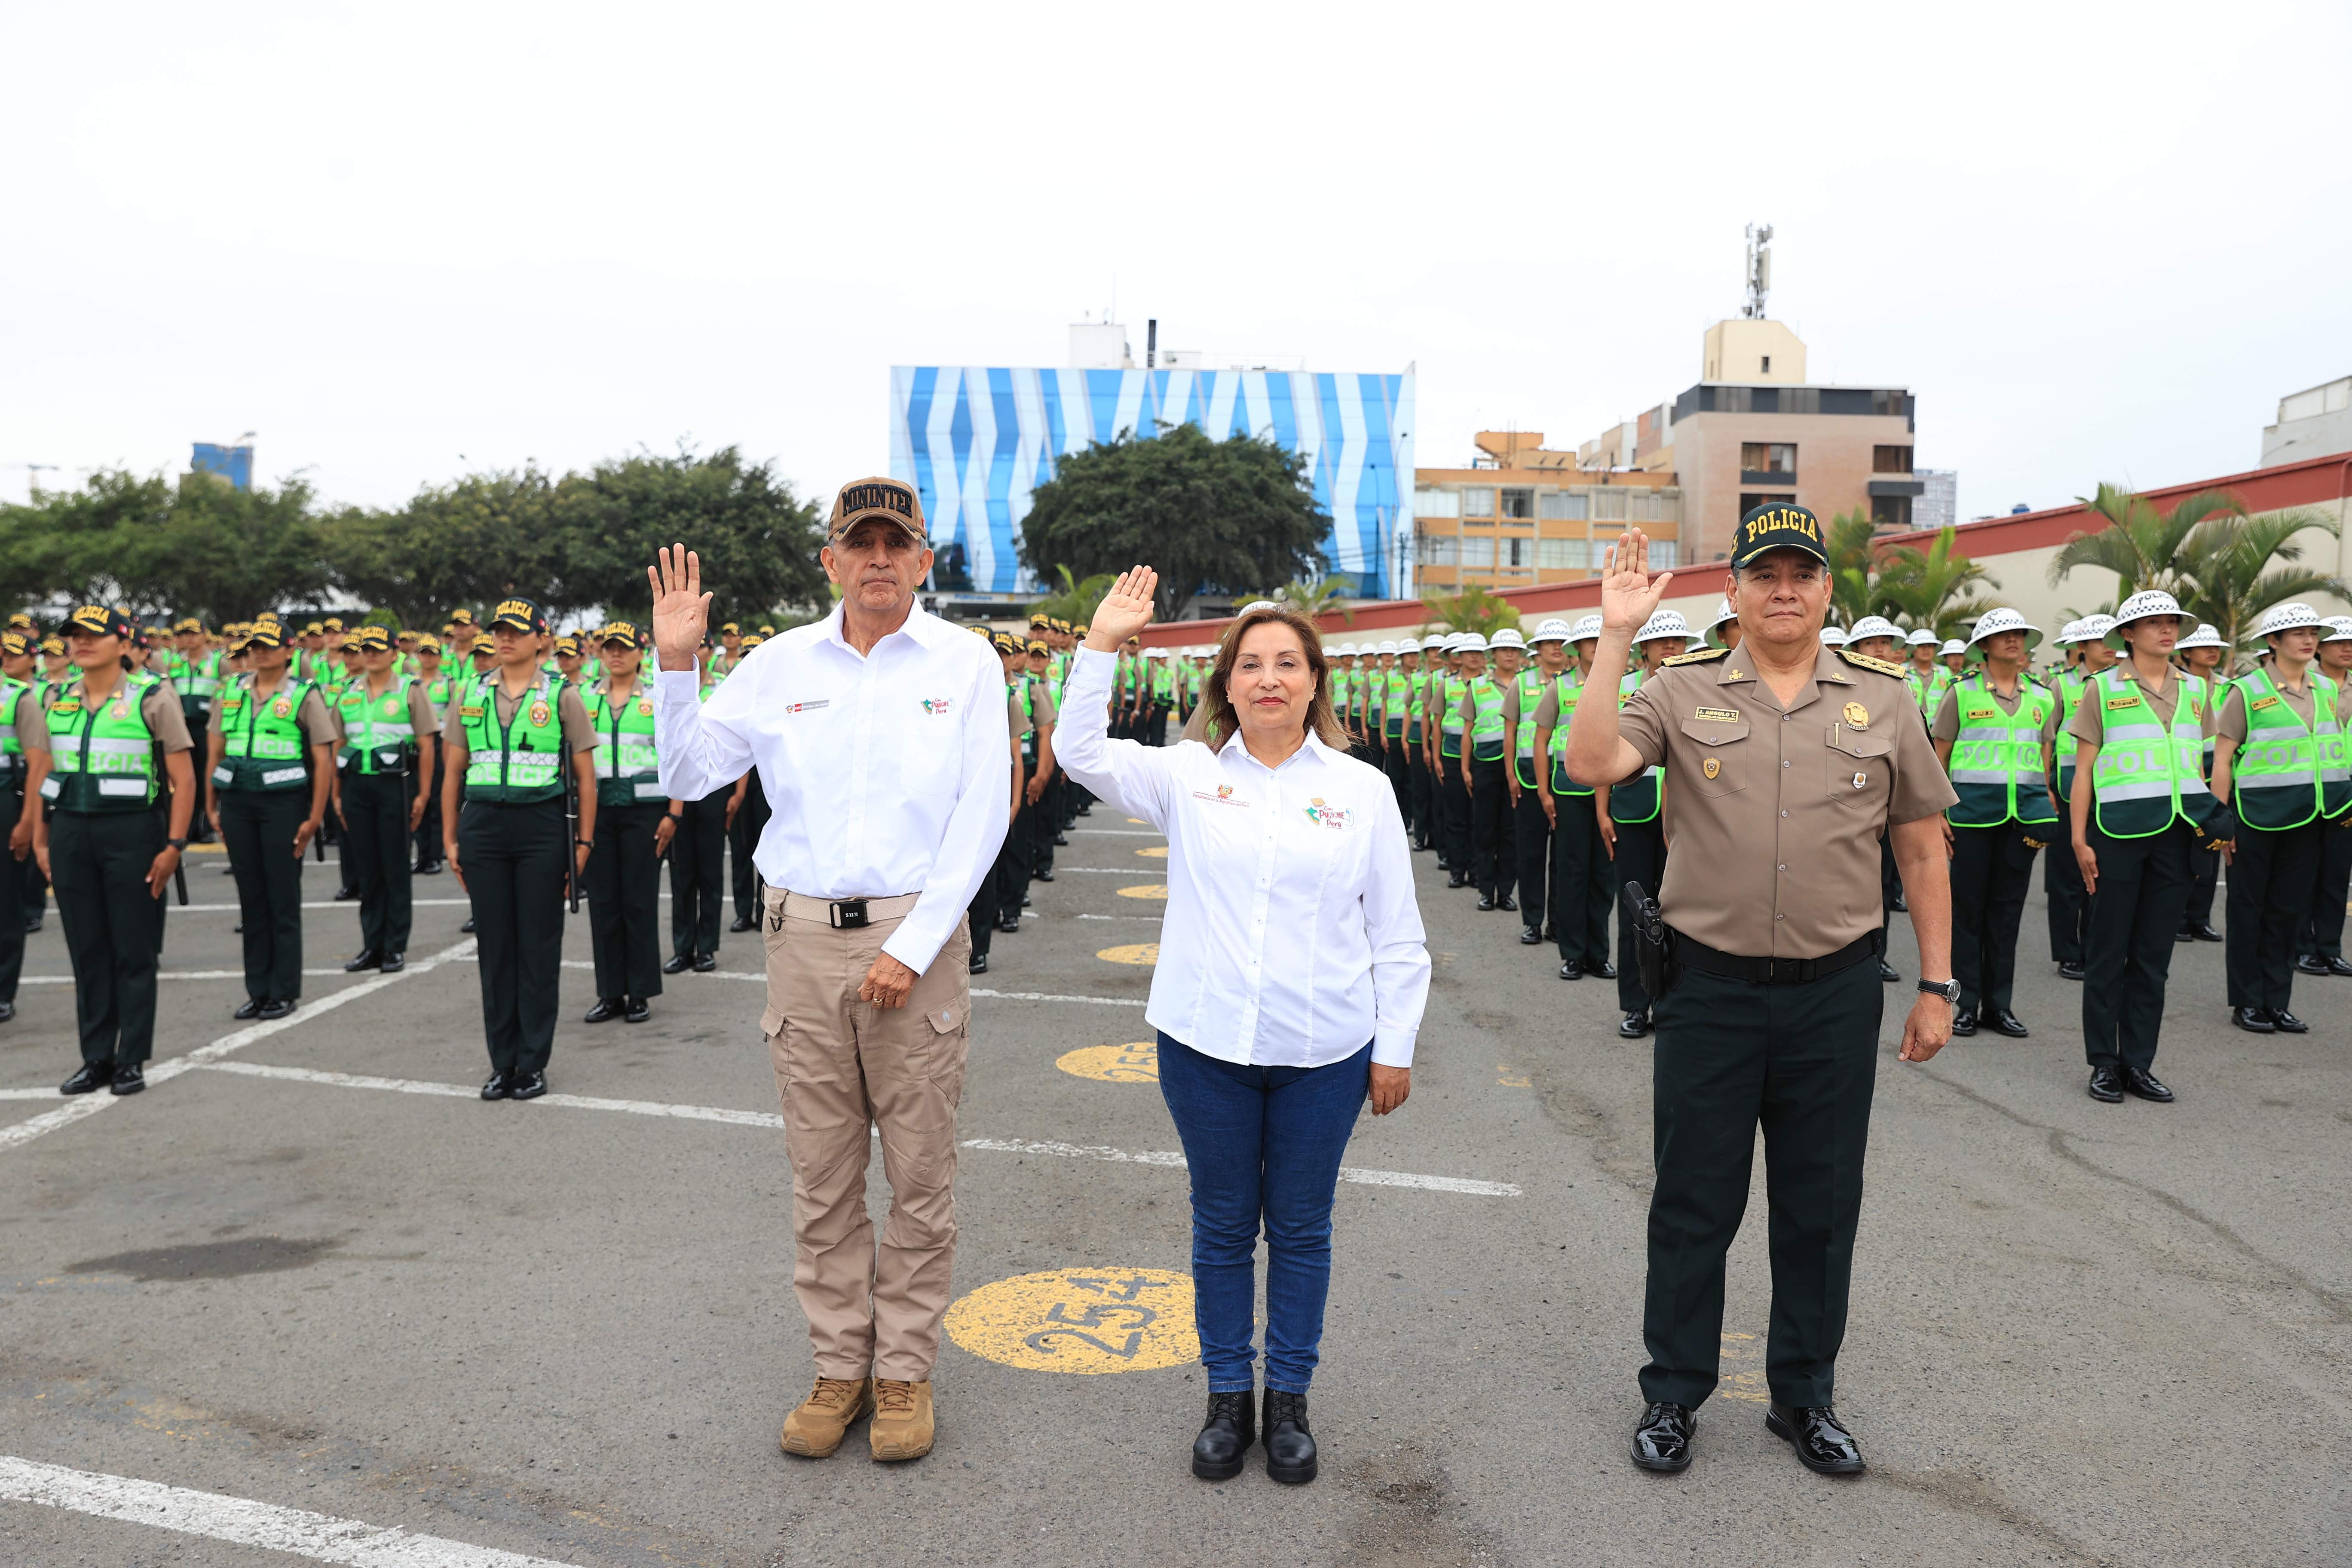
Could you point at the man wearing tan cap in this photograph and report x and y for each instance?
(879, 737)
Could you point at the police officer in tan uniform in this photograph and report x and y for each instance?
(1789, 760)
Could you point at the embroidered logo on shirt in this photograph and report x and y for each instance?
(1325, 815)
(935, 706)
(1225, 796)
(645, 710)
(813, 707)
(538, 714)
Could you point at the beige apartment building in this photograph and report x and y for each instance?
(1522, 515)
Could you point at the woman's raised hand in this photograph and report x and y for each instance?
(1124, 611)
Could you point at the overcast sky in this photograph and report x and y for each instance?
(2097, 242)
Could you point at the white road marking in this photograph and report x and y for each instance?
(1356, 1173)
(183, 974)
(321, 1537)
(352, 904)
(23, 1133)
(1049, 996)
(1125, 832)
(1105, 870)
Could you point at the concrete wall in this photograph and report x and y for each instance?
(1736, 350)
(1834, 467)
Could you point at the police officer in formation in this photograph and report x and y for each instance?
(635, 828)
(438, 687)
(1632, 812)
(1582, 891)
(2319, 937)
(24, 768)
(2061, 874)
(389, 745)
(698, 848)
(1531, 819)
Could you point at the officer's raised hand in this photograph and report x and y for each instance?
(1629, 595)
(681, 610)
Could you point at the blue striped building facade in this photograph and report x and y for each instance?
(975, 442)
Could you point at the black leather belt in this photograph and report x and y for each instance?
(1697, 955)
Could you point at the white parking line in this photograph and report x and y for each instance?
(1049, 996)
(1125, 832)
(23, 1133)
(1356, 1173)
(181, 974)
(321, 1537)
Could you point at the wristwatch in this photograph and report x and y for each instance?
(1950, 990)
(177, 843)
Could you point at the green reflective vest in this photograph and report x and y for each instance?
(1486, 731)
(197, 680)
(1523, 752)
(1396, 703)
(103, 757)
(262, 746)
(628, 765)
(2068, 687)
(378, 735)
(438, 690)
(521, 761)
(1163, 684)
(12, 745)
(1025, 689)
(1416, 703)
(1997, 768)
(1929, 691)
(2146, 774)
(1449, 723)
(1569, 686)
(2285, 774)
(1637, 799)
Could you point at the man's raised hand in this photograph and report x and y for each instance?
(1629, 597)
(681, 610)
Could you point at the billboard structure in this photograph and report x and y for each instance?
(976, 441)
(233, 464)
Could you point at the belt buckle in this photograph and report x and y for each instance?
(847, 914)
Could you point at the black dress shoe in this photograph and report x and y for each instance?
(1822, 1446)
(247, 1008)
(738, 925)
(1636, 1025)
(1045, 876)
(704, 963)
(2070, 972)
(435, 868)
(393, 962)
(2005, 1022)
(468, 927)
(2107, 1085)
(1505, 902)
(1887, 971)
(1603, 970)
(1086, 811)
(2254, 1020)
(93, 1076)
(1570, 970)
(2340, 966)
(499, 1087)
(1025, 901)
(1289, 1446)
(2184, 934)
(1225, 1437)
(419, 869)
(1010, 926)
(129, 1079)
(979, 964)
(2309, 964)
(2203, 931)
(2147, 1085)
(606, 1009)
(639, 1009)
(1662, 1440)
(366, 958)
(345, 895)
(1899, 906)
(1060, 842)
(2286, 1022)
(528, 1085)
(273, 1010)
(677, 964)
(1964, 1021)
(32, 924)
(1457, 879)
(1485, 903)
(1530, 936)
(7, 1011)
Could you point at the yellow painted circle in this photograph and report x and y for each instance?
(1134, 952)
(1137, 1063)
(1080, 1319)
(1155, 852)
(1149, 890)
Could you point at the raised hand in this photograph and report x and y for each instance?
(681, 610)
(1629, 597)
(1124, 611)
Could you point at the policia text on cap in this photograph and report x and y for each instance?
(1784, 762)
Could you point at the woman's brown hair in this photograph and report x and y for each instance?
(1224, 722)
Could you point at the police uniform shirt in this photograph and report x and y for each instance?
(2303, 704)
(420, 717)
(31, 719)
(1547, 711)
(1774, 815)
(1948, 717)
(159, 708)
(1041, 700)
(2089, 722)
(1015, 720)
(578, 731)
(315, 718)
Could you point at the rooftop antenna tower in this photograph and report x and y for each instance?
(1760, 270)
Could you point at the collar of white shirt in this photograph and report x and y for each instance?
(924, 627)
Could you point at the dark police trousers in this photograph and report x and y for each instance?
(2271, 874)
(258, 827)
(1493, 867)
(2321, 933)
(1801, 1060)
(1640, 857)
(2070, 906)
(375, 846)
(512, 857)
(98, 867)
(1423, 817)
(1453, 814)
(1531, 845)
(624, 888)
(12, 900)
(697, 856)
(1581, 893)
(1993, 869)
(751, 821)
(2127, 951)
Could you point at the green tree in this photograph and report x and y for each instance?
(1852, 566)
(2137, 543)
(1934, 587)
(1075, 601)
(2226, 563)
(1205, 514)
(1473, 609)
(465, 544)
(1316, 597)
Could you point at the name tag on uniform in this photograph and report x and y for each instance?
(2115, 702)
(1721, 715)
(224, 774)
(466, 712)
(2263, 702)
(825, 703)
(1982, 713)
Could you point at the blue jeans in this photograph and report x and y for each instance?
(1264, 1145)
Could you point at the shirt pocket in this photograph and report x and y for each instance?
(1720, 765)
(1861, 769)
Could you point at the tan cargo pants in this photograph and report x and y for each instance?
(844, 1066)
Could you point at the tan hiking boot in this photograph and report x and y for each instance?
(817, 1428)
(902, 1419)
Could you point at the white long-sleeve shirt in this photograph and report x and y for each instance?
(1292, 935)
(885, 772)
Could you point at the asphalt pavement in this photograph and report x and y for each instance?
(306, 1298)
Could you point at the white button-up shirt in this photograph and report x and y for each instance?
(887, 774)
(1292, 935)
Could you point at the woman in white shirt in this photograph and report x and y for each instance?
(1290, 985)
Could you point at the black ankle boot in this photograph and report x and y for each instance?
(1225, 1437)
(1289, 1446)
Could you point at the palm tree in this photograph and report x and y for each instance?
(2140, 546)
(1851, 566)
(2226, 562)
(1313, 599)
(1934, 587)
(1472, 610)
(1075, 601)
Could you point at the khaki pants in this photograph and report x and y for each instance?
(844, 1066)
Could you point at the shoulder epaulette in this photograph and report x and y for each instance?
(1701, 657)
(1884, 667)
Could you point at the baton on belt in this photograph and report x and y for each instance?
(1652, 955)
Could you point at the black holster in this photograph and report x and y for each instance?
(1653, 943)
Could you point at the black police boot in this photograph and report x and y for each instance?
(1887, 971)
(468, 927)
(2308, 963)
(2107, 1085)
(2004, 1022)
(1289, 1446)
(1824, 1446)
(499, 1087)
(1636, 1023)
(639, 1010)
(1530, 936)
(1505, 902)
(606, 1009)
(2286, 1022)
(2070, 972)
(1964, 1021)
(1045, 876)
(247, 1008)
(1485, 903)
(393, 962)
(677, 963)
(2203, 931)
(2340, 966)
(979, 964)
(528, 1085)
(1457, 879)
(1605, 970)
(2147, 1085)
(345, 895)
(2254, 1020)
(739, 925)
(704, 963)
(1025, 901)
(1570, 970)
(93, 1077)
(275, 1009)
(129, 1079)
(1225, 1437)
(1662, 1440)
(366, 958)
